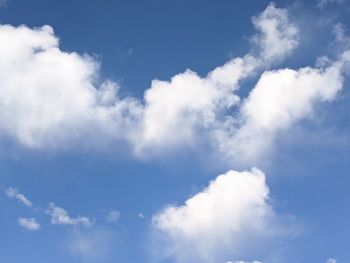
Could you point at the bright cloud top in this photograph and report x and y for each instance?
(226, 220)
(326, 3)
(47, 96)
(60, 216)
(14, 193)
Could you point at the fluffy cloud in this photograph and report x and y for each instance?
(61, 98)
(229, 218)
(14, 193)
(30, 224)
(60, 216)
(194, 106)
(280, 99)
(277, 37)
(50, 98)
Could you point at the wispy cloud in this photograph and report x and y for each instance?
(112, 216)
(325, 3)
(277, 37)
(30, 224)
(93, 244)
(60, 216)
(14, 193)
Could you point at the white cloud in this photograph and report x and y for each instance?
(30, 224)
(331, 260)
(278, 37)
(113, 216)
(64, 105)
(194, 106)
(62, 101)
(14, 193)
(229, 218)
(189, 103)
(59, 99)
(279, 100)
(60, 216)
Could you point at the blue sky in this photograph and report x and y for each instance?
(174, 131)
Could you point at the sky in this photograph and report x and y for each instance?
(174, 131)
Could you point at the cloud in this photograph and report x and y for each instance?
(279, 100)
(199, 107)
(228, 219)
(14, 193)
(141, 216)
(113, 216)
(341, 37)
(94, 244)
(60, 216)
(277, 37)
(60, 99)
(30, 224)
(64, 104)
(325, 3)
(331, 260)
(63, 100)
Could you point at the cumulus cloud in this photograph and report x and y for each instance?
(14, 193)
(280, 99)
(63, 101)
(229, 218)
(30, 224)
(194, 106)
(58, 98)
(60, 216)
